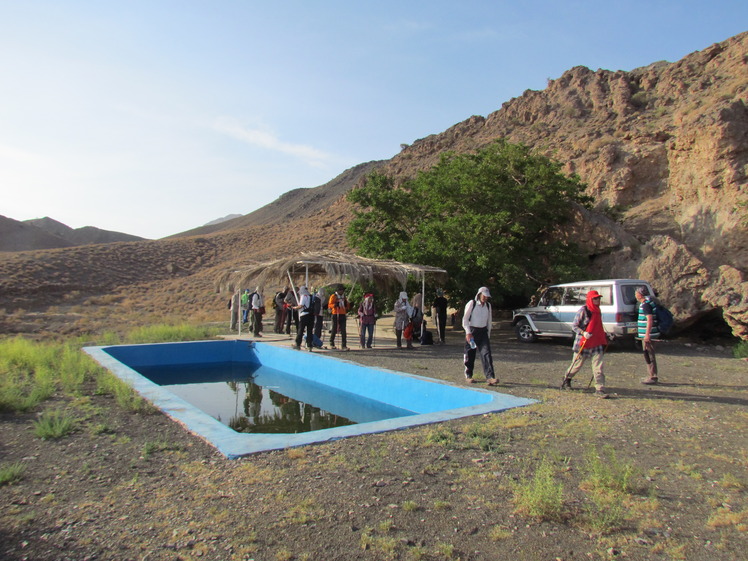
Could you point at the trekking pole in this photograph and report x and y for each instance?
(576, 357)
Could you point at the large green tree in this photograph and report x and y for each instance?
(489, 218)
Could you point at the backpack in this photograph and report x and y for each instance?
(664, 318)
(312, 302)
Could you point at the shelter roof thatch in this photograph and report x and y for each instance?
(330, 266)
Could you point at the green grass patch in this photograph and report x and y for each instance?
(540, 496)
(440, 436)
(164, 333)
(10, 473)
(740, 350)
(605, 471)
(52, 425)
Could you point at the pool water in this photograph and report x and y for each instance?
(252, 398)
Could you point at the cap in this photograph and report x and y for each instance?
(594, 294)
(484, 290)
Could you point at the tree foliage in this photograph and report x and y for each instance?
(490, 218)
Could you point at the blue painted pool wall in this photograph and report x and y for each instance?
(384, 384)
(409, 392)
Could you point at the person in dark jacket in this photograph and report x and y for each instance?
(306, 319)
(367, 316)
(440, 313)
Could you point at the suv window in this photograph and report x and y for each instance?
(552, 297)
(628, 293)
(577, 295)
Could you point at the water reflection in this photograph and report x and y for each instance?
(284, 415)
(257, 399)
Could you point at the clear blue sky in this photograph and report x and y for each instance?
(152, 117)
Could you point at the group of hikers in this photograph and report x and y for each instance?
(307, 312)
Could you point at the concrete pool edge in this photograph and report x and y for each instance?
(234, 445)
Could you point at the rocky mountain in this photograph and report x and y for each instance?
(663, 150)
(46, 233)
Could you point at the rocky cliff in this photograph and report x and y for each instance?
(664, 152)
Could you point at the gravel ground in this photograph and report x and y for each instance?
(138, 486)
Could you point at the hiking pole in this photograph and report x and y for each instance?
(576, 357)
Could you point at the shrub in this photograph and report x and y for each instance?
(606, 472)
(10, 473)
(53, 425)
(541, 496)
(740, 350)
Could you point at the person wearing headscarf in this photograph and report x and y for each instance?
(476, 321)
(590, 342)
(306, 318)
(258, 309)
(292, 314)
(235, 309)
(280, 309)
(318, 313)
(367, 315)
(403, 313)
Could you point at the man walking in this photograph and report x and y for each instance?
(647, 330)
(590, 342)
(477, 325)
(306, 319)
(338, 305)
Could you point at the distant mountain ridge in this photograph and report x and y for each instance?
(292, 205)
(47, 233)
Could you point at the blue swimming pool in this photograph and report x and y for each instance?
(418, 400)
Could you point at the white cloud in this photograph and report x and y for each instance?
(269, 141)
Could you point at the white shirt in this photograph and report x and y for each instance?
(476, 315)
(306, 302)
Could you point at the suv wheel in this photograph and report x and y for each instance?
(525, 332)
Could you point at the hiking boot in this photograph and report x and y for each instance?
(493, 382)
(601, 394)
(345, 349)
(566, 384)
(650, 381)
(469, 380)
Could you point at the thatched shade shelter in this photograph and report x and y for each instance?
(331, 266)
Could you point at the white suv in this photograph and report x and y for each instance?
(559, 304)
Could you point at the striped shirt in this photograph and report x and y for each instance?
(647, 308)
